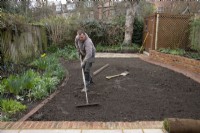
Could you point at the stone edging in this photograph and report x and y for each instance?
(187, 73)
(175, 60)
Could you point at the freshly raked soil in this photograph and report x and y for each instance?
(149, 92)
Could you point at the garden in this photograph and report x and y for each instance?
(38, 58)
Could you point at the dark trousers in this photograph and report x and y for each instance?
(86, 70)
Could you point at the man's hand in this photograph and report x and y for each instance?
(82, 64)
(78, 51)
(81, 52)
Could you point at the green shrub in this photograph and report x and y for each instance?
(69, 53)
(52, 49)
(4, 118)
(43, 87)
(51, 83)
(194, 34)
(11, 107)
(58, 71)
(193, 55)
(117, 48)
(19, 84)
(44, 62)
(28, 79)
(172, 51)
(39, 91)
(181, 52)
(137, 31)
(60, 29)
(95, 31)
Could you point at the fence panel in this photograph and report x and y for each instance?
(173, 31)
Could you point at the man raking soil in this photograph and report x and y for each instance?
(86, 50)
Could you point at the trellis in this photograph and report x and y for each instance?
(166, 31)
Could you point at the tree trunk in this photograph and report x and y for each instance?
(131, 7)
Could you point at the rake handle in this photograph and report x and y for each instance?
(83, 75)
(109, 77)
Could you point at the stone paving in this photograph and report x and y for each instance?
(85, 131)
(81, 127)
(94, 127)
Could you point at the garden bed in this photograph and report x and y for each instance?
(149, 92)
(176, 60)
(118, 48)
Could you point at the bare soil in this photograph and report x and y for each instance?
(149, 92)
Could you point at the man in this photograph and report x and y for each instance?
(77, 40)
(87, 51)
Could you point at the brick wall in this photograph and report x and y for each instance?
(177, 61)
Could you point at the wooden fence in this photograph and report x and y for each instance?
(166, 31)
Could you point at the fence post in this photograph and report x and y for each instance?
(156, 38)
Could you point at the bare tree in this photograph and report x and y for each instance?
(131, 8)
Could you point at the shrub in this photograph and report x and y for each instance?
(194, 34)
(117, 48)
(95, 30)
(137, 31)
(60, 29)
(69, 53)
(172, 51)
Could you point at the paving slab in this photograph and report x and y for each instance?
(153, 131)
(133, 131)
(102, 131)
(9, 131)
(50, 131)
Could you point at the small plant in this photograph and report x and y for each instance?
(52, 49)
(69, 53)
(51, 83)
(10, 107)
(4, 118)
(2, 89)
(117, 48)
(193, 55)
(28, 79)
(172, 51)
(40, 63)
(166, 125)
(13, 84)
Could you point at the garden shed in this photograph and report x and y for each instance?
(166, 31)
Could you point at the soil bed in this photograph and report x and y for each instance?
(149, 92)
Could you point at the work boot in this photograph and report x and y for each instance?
(87, 84)
(91, 81)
